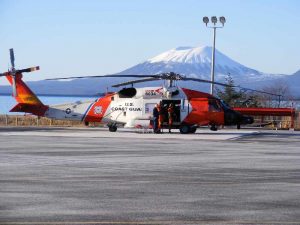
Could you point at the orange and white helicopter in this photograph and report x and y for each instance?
(132, 107)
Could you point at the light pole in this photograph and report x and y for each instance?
(214, 21)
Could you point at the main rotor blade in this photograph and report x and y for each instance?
(227, 85)
(103, 76)
(136, 81)
(263, 92)
(206, 81)
(153, 77)
(27, 70)
(12, 57)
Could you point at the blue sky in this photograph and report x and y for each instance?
(92, 37)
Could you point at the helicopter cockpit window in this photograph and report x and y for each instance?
(127, 93)
(213, 106)
(225, 105)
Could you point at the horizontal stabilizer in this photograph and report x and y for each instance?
(35, 109)
(266, 111)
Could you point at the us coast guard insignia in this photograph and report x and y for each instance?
(98, 110)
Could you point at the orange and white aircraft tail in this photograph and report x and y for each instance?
(28, 102)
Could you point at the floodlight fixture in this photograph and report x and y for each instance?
(214, 20)
(222, 20)
(205, 20)
(215, 26)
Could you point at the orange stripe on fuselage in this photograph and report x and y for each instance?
(98, 109)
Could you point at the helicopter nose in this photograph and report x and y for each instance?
(247, 120)
(232, 117)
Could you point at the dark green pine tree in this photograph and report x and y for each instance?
(229, 94)
(236, 98)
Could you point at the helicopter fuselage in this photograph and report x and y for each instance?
(132, 107)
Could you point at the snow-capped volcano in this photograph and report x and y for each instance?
(184, 55)
(189, 61)
(196, 62)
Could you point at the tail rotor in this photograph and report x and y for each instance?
(13, 73)
(12, 58)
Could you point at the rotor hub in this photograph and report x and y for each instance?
(171, 76)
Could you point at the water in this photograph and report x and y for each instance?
(8, 102)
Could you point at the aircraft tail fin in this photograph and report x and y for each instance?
(27, 101)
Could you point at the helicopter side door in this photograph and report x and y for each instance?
(197, 111)
(215, 112)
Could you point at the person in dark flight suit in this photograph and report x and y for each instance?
(155, 119)
(170, 116)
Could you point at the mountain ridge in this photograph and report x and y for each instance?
(196, 62)
(189, 61)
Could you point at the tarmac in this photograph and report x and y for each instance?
(92, 176)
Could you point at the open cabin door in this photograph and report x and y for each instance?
(177, 109)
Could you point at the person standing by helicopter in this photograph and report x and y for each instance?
(170, 116)
(160, 117)
(155, 118)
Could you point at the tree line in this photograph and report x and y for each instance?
(239, 97)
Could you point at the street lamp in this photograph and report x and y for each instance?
(214, 26)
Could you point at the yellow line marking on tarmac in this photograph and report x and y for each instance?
(151, 222)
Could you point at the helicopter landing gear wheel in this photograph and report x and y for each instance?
(213, 127)
(193, 130)
(184, 129)
(112, 128)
